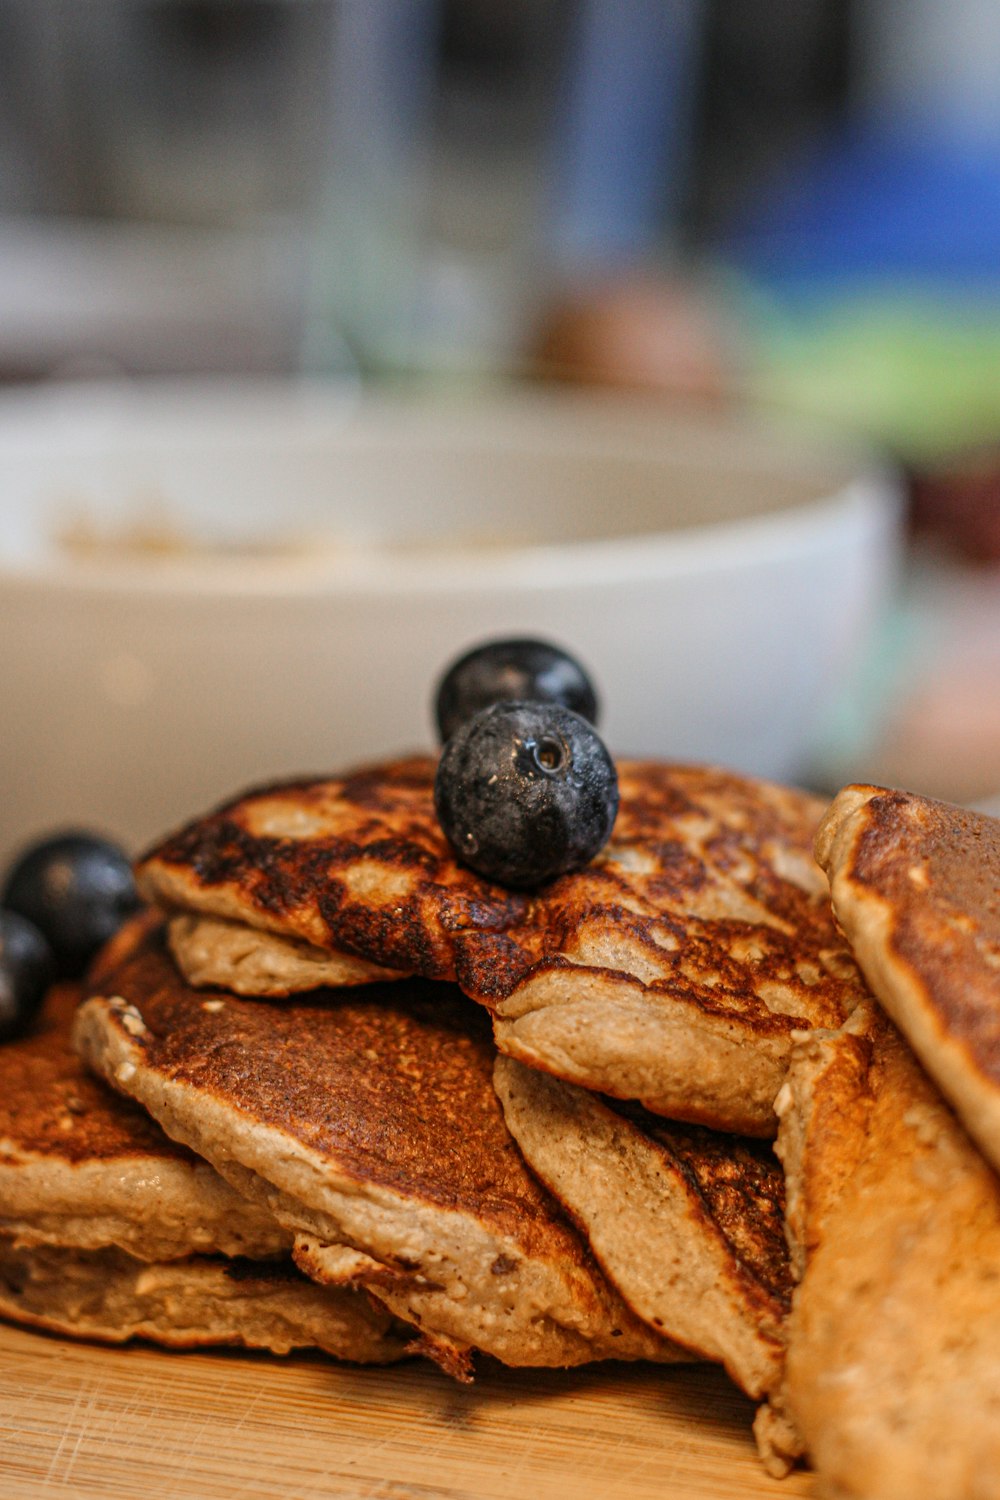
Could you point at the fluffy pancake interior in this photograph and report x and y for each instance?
(688, 1225)
(249, 961)
(198, 1301)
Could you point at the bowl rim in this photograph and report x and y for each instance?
(862, 490)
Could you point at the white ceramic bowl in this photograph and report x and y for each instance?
(718, 576)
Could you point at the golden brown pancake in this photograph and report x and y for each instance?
(366, 1121)
(916, 888)
(673, 969)
(82, 1167)
(687, 1223)
(892, 1382)
(109, 1230)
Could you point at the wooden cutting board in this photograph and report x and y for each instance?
(84, 1421)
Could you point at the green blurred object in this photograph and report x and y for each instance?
(916, 369)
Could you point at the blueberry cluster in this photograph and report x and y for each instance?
(525, 788)
(61, 900)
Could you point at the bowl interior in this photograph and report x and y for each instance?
(209, 475)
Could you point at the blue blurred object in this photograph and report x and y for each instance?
(623, 130)
(921, 207)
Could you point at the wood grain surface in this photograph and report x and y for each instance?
(84, 1421)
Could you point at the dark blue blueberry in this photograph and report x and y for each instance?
(505, 671)
(525, 792)
(77, 890)
(27, 968)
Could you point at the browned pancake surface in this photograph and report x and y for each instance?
(50, 1105)
(84, 1169)
(673, 969)
(367, 1122)
(742, 1187)
(939, 866)
(707, 891)
(357, 863)
(393, 1085)
(916, 887)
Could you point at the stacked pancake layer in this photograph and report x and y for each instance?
(367, 1124)
(673, 969)
(109, 1230)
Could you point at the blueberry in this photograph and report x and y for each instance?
(27, 968)
(526, 791)
(502, 671)
(77, 890)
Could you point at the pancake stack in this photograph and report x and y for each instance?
(109, 1230)
(539, 1125)
(546, 1137)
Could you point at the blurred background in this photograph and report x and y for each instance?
(781, 206)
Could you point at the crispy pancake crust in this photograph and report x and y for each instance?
(916, 888)
(356, 865)
(82, 1167)
(673, 969)
(192, 1303)
(367, 1122)
(892, 1384)
(686, 1222)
